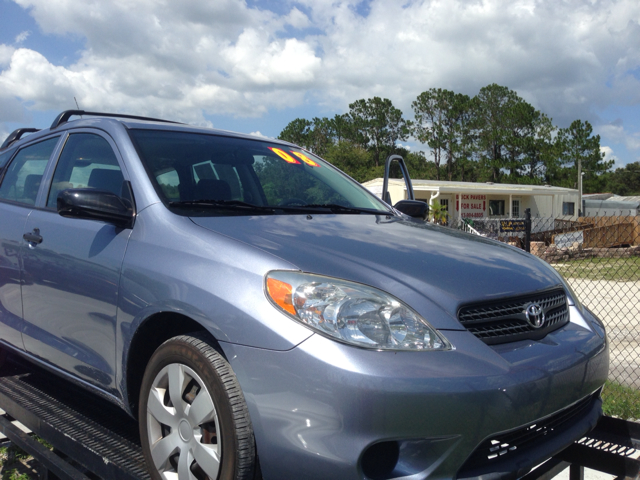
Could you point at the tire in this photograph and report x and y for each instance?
(209, 435)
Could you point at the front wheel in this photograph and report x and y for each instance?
(194, 422)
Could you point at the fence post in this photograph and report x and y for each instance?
(527, 230)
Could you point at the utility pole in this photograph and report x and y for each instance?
(527, 230)
(579, 186)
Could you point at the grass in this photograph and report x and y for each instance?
(624, 269)
(14, 474)
(16, 464)
(621, 401)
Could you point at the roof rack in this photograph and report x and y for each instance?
(64, 117)
(16, 135)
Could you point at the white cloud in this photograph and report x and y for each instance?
(32, 77)
(258, 134)
(22, 36)
(616, 132)
(176, 60)
(253, 59)
(609, 155)
(5, 54)
(559, 57)
(297, 19)
(187, 59)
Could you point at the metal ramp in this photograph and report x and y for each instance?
(91, 437)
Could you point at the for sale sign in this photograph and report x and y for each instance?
(471, 206)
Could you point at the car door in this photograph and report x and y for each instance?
(71, 276)
(21, 174)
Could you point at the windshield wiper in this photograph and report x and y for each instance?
(239, 205)
(229, 204)
(336, 208)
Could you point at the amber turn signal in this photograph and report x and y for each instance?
(280, 292)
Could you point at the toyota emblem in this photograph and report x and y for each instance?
(535, 315)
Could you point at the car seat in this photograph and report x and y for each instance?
(212, 189)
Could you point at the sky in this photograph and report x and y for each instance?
(253, 66)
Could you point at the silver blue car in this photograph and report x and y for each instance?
(264, 316)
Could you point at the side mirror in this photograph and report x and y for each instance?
(413, 208)
(93, 204)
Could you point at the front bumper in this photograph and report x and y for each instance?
(510, 455)
(317, 408)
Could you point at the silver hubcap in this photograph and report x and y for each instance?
(183, 426)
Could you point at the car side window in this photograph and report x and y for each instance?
(4, 160)
(5, 157)
(87, 161)
(22, 178)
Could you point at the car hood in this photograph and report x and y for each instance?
(433, 269)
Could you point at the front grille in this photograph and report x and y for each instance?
(500, 447)
(505, 320)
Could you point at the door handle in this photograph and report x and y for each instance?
(33, 237)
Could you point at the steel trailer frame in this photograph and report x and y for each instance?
(94, 439)
(608, 449)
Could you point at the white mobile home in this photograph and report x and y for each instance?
(487, 200)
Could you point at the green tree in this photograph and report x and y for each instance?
(354, 160)
(495, 111)
(438, 212)
(495, 136)
(419, 166)
(540, 159)
(341, 128)
(440, 121)
(578, 149)
(429, 126)
(624, 181)
(321, 136)
(378, 125)
(528, 142)
(466, 168)
(298, 131)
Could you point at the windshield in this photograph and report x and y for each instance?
(201, 174)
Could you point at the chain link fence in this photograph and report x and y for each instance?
(600, 259)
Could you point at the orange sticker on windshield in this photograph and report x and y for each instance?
(305, 159)
(284, 155)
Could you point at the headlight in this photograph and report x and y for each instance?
(352, 312)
